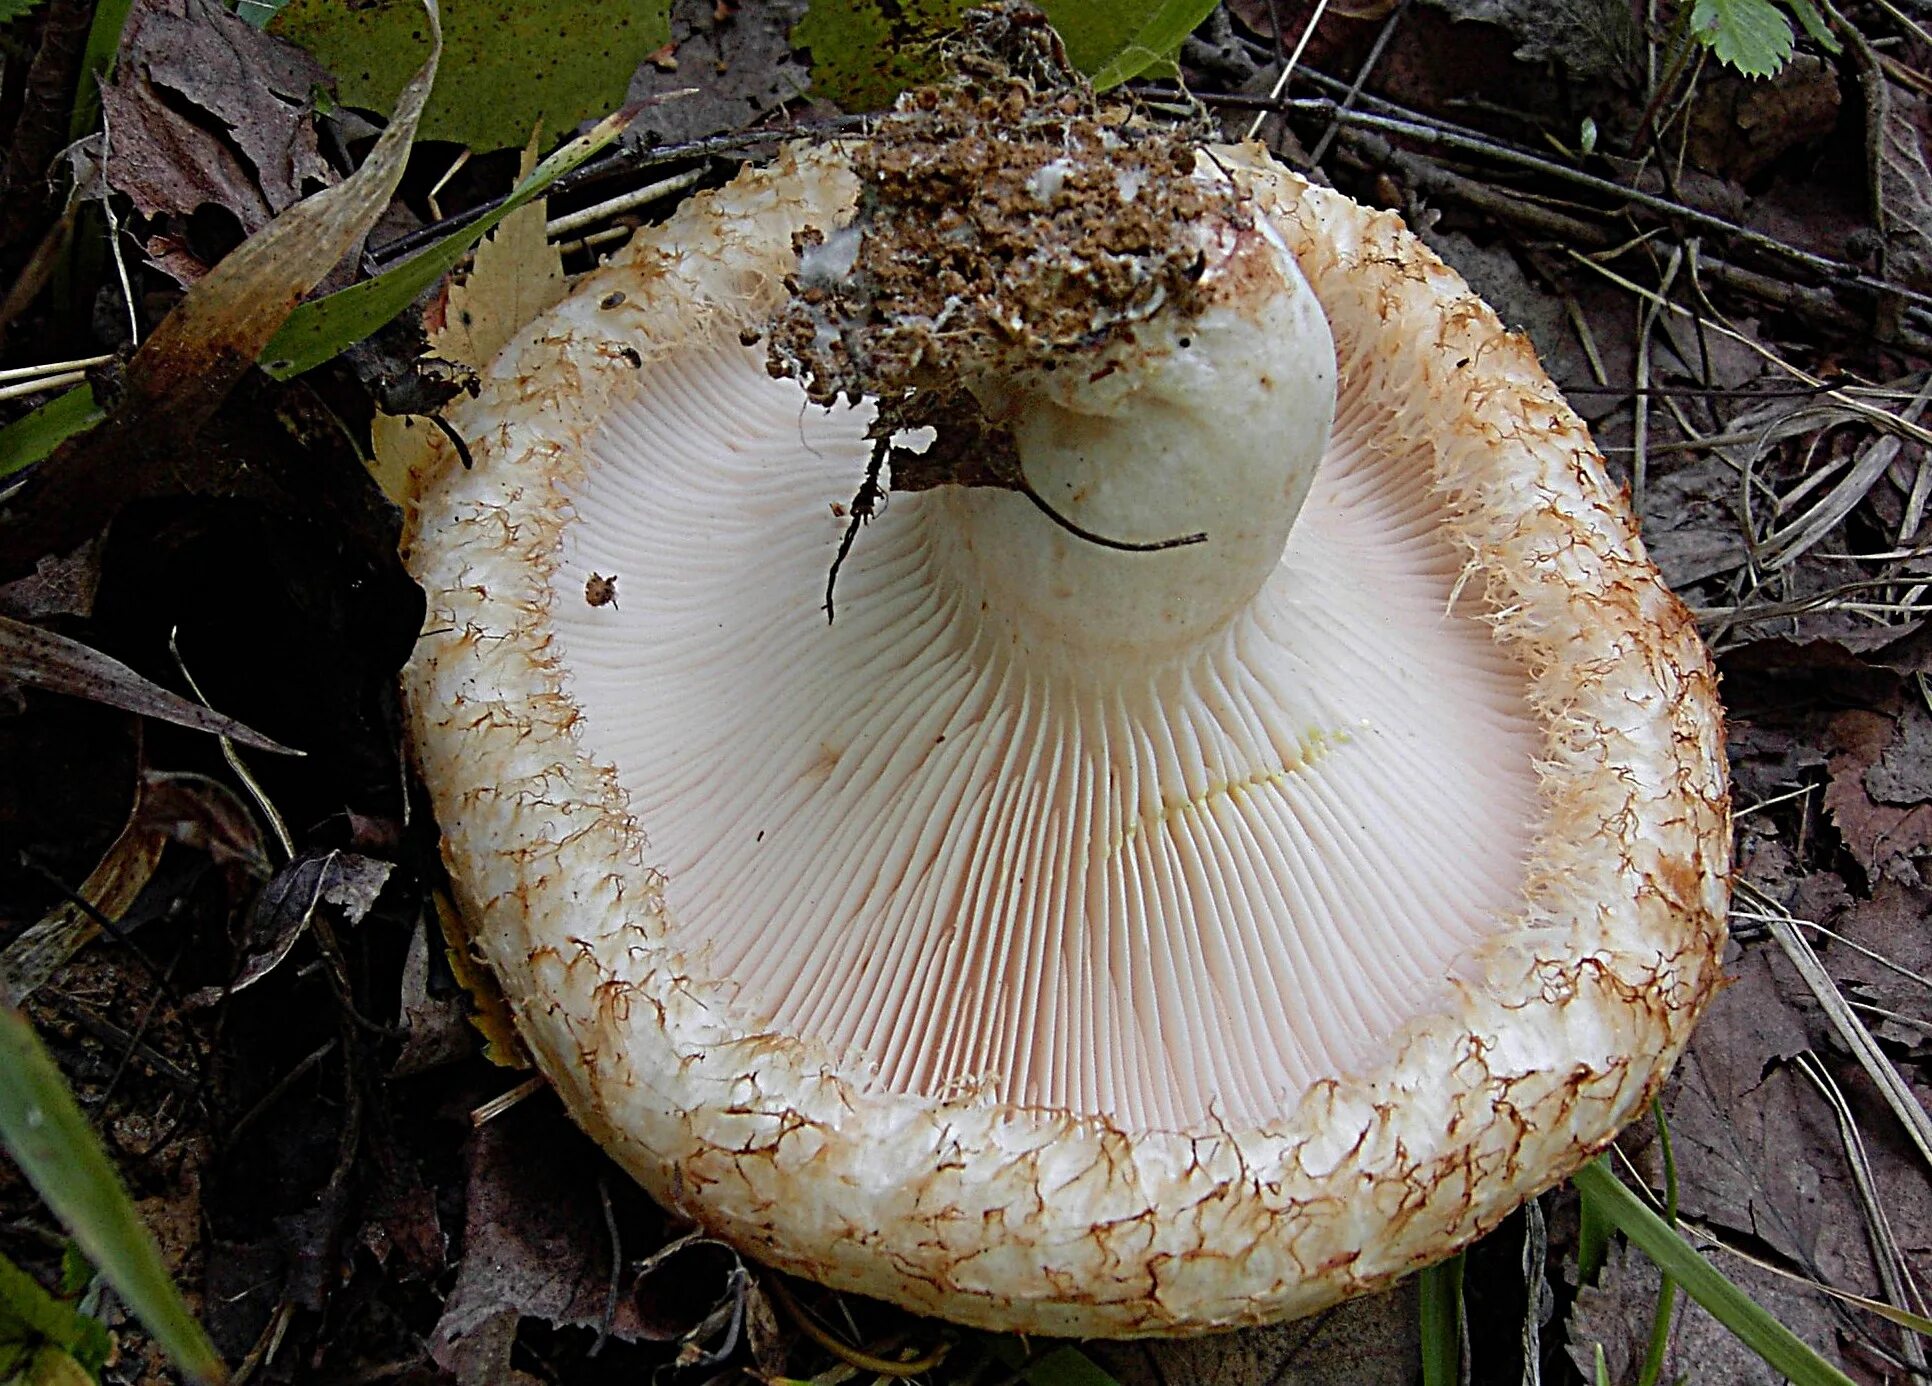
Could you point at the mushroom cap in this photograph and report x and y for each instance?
(610, 863)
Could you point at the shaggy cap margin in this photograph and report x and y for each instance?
(1033, 1220)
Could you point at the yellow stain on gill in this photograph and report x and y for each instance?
(1311, 748)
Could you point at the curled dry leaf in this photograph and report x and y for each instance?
(205, 108)
(203, 349)
(287, 903)
(191, 810)
(109, 889)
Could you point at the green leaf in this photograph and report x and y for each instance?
(1592, 1237)
(318, 330)
(865, 52)
(1114, 41)
(28, 1311)
(11, 10)
(1814, 26)
(1441, 1290)
(1782, 1350)
(507, 64)
(1752, 36)
(33, 436)
(97, 64)
(42, 1128)
(258, 12)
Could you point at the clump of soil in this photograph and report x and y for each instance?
(1008, 222)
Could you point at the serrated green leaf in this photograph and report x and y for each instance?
(1782, 1350)
(507, 65)
(318, 330)
(1114, 41)
(44, 1131)
(1752, 36)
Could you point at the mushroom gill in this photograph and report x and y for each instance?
(1066, 939)
(1162, 890)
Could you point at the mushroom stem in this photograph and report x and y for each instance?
(1211, 422)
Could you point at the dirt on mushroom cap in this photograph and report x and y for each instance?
(1004, 218)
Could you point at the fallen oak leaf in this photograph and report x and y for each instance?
(42, 659)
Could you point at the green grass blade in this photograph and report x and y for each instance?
(319, 329)
(97, 63)
(1441, 1289)
(1782, 1350)
(33, 436)
(1659, 1344)
(44, 1130)
(1592, 1238)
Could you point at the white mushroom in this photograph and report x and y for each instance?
(1066, 939)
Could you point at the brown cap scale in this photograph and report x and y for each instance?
(1068, 939)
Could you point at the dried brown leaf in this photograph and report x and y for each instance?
(1885, 839)
(740, 59)
(1745, 1127)
(535, 1241)
(58, 586)
(1892, 925)
(207, 345)
(1617, 1312)
(436, 1028)
(1904, 187)
(204, 108)
(42, 659)
(286, 905)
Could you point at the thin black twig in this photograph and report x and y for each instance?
(1411, 125)
(865, 505)
(1361, 80)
